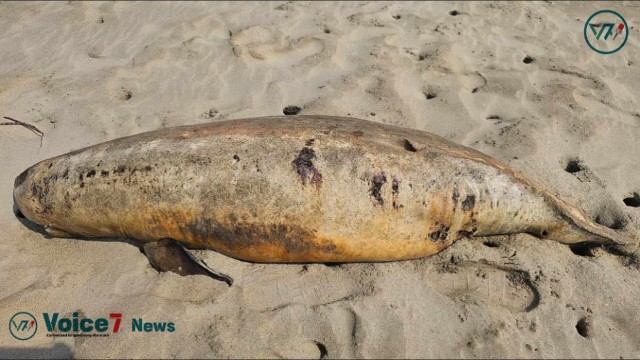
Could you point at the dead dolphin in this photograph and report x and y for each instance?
(293, 189)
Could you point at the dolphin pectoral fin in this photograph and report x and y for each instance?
(169, 255)
(53, 232)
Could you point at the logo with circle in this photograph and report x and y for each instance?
(606, 32)
(23, 326)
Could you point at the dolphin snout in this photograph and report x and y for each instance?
(19, 192)
(21, 178)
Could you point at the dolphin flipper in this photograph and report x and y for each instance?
(169, 255)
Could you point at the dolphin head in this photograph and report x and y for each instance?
(35, 191)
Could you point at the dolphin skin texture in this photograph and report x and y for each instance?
(294, 189)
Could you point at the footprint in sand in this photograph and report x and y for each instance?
(483, 283)
(260, 43)
(313, 288)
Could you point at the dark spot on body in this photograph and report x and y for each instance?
(408, 146)
(453, 12)
(303, 164)
(310, 142)
(397, 17)
(50, 165)
(429, 95)
(147, 168)
(357, 133)
(469, 203)
(40, 190)
(440, 234)
(455, 196)
(119, 170)
(104, 173)
(527, 59)
(291, 110)
(65, 175)
(82, 184)
(395, 191)
(376, 186)
(491, 244)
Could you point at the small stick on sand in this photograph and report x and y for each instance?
(32, 128)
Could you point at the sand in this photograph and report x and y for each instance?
(84, 73)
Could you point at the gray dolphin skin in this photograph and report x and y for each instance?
(292, 189)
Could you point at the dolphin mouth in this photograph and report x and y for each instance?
(17, 212)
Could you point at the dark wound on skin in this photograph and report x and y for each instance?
(303, 164)
(395, 191)
(468, 203)
(455, 196)
(376, 187)
(440, 234)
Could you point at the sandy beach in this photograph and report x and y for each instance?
(513, 80)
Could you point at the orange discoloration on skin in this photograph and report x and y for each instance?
(294, 189)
